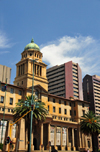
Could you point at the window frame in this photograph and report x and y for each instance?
(60, 110)
(11, 103)
(54, 109)
(53, 100)
(11, 90)
(3, 99)
(20, 92)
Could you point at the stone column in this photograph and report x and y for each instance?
(73, 142)
(25, 68)
(55, 138)
(91, 142)
(68, 148)
(20, 69)
(83, 146)
(80, 139)
(32, 146)
(62, 147)
(86, 146)
(26, 142)
(41, 137)
(39, 71)
(48, 146)
(22, 135)
(36, 69)
(48, 132)
(17, 70)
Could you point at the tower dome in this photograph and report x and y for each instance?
(32, 45)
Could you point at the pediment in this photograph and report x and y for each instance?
(39, 87)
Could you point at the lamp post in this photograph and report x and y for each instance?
(32, 102)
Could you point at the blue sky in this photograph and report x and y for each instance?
(64, 30)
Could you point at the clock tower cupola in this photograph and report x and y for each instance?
(24, 68)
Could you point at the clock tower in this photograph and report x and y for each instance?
(24, 68)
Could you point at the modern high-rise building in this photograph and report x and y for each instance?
(65, 80)
(5, 73)
(91, 92)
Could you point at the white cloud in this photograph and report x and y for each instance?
(79, 49)
(4, 41)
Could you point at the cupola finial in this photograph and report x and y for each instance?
(32, 41)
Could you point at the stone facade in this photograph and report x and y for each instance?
(61, 127)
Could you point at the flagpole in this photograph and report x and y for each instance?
(3, 113)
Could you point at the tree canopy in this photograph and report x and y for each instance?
(90, 123)
(39, 112)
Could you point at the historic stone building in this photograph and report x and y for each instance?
(61, 127)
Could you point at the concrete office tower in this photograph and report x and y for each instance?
(91, 92)
(65, 80)
(5, 72)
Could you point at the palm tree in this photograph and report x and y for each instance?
(90, 124)
(39, 112)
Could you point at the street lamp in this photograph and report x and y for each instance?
(32, 102)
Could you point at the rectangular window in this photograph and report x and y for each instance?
(53, 100)
(82, 104)
(48, 99)
(20, 92)
(21, 69)
(70, 104)
(64, 102)
(48, 108)
(83, 112)
(12, 110)
(8, 110)
(11, 90)
(53, 109)
(87, 87)
(19, 100)
(11, 101)
(59, 110)
(65, 111)
(3, 88)
(2, 109)
(37, 69)
(59, 101)
(2, 99)
(74, 112)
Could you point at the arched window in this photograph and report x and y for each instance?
(30, 54)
